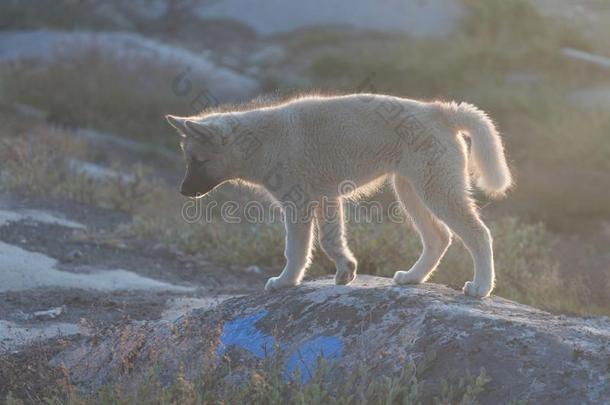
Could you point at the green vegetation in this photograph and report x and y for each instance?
(267, 385)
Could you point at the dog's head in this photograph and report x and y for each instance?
(203, 144)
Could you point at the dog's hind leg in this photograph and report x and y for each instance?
(434, 235)
(447, 198)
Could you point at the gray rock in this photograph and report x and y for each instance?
(43, 315)
(528, 354)
(254, 270)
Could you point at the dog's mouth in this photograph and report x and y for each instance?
(191, 194)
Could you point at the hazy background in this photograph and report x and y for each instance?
(84, 86)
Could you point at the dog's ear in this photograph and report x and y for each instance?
(178, 123)
(206, 133)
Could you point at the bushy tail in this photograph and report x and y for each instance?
(486, 146)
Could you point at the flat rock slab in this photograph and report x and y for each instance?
(22, 270)
(528, 354)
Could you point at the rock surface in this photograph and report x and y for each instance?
(528, 354)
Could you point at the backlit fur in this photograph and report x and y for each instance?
(307, 147)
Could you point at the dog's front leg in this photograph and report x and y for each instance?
(298, 254)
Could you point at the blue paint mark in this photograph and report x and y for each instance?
(306, 357)
(242, 332)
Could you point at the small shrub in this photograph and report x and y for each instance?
(465, 391)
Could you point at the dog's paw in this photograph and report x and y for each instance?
(346, 273)
(275, 283)
(406, 277)
(344, 277)
(477, 291)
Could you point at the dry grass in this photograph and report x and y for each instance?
(527, 271)
(267, 385)
(37, 162)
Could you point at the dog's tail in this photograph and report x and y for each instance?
(486, 146)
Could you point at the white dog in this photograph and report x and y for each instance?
(303, 149)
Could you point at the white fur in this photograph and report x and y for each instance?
(313, 144)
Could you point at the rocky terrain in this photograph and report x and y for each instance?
(528, 355)
(60, 274)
